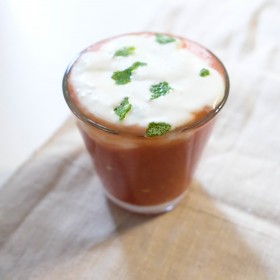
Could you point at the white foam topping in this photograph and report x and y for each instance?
(91, 79)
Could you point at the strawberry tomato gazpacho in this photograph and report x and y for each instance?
(145, 104)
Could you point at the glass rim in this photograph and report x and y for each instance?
(183, 128)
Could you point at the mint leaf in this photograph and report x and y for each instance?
(123, 108)
(159, 89)
(124, 77)
(137, 64)
(126, 51)
(164, 39)
(204, 72)
(157, 129)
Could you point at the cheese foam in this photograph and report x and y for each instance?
(94, 88)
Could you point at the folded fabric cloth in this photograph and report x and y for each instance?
(55, 222)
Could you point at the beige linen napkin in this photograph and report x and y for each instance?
(55, 222)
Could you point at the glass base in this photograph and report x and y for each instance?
(156, 209)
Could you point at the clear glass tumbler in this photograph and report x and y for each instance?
(142, 174)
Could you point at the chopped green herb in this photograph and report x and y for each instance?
(204, 72)
(123, 108)
(159, 89)
(157, 129)
(124, 77)
(126, 51)
(136, 64)
(164, 39)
